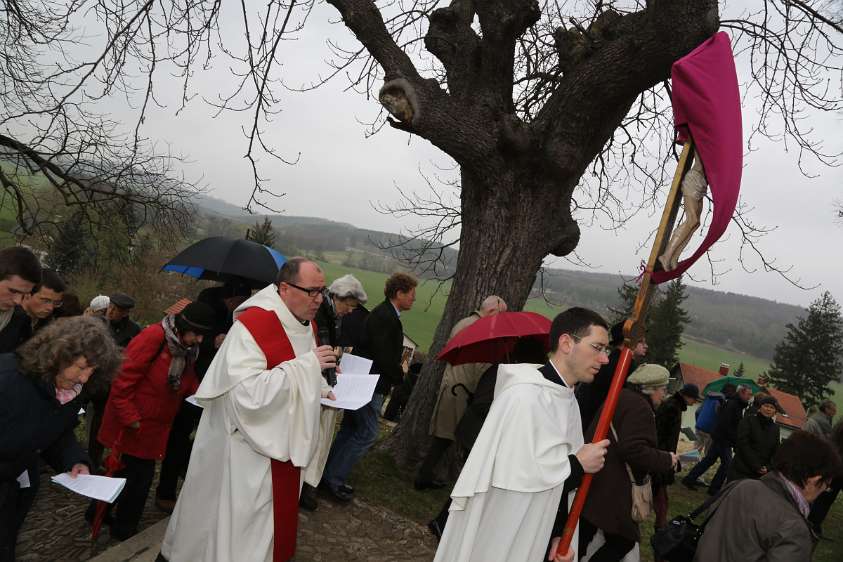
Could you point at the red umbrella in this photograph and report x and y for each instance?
(112, 465)
(492, 338)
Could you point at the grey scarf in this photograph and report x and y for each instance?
(181, 355)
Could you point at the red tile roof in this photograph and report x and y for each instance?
(177, 306)
(691, 374)
(792, 406)
(790, 403)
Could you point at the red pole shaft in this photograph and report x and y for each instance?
(600, 433)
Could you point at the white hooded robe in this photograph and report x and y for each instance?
(251, 415)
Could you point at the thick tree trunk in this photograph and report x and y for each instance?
(510, 222)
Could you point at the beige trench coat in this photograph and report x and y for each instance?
(449, 408)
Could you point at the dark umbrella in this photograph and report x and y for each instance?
(492, 338)
(225, 259)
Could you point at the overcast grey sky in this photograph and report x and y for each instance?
(341, 173)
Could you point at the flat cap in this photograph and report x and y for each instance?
(122, 300)
(649, 375)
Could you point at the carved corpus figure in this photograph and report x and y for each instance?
(694, 187)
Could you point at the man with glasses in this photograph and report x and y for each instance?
(259, 428)
(591, 396)
(46, 297)
(20, 271)
(513, 494)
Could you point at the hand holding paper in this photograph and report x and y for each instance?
(352, 391)
(100, 488)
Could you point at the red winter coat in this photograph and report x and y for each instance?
(141, 393)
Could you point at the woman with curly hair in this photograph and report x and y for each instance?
(43, 385)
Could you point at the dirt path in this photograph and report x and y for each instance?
(55, 530)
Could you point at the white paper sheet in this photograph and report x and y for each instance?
(354, 364)
(100, 488)
(352, 391)
(23, 480)
(192, 400)
(81, 411)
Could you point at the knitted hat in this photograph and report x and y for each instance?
(198, 316)
(649, 375)
(99, 302)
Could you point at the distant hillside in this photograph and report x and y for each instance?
(738, 322)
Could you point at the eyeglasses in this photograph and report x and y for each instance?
(604, 349)
(55, 302)
(312, 292)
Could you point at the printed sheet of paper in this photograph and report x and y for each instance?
(101, 488)
(354, 364)
(192, 400)
(23, 480)
(352, 391)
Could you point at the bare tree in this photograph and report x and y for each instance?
(550, 109)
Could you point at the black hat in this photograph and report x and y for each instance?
(691, 391)
(122, 300)
(198, 317)
(768, 400)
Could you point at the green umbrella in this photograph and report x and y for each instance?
(718, 384)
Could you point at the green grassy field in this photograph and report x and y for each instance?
(420, 324)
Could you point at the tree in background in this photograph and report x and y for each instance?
(667, 321)
(811, 354)
(262, 233)
(740, 371)
(626, 300)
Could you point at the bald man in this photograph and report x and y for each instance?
(457, 382)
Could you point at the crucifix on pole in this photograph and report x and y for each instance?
(633, 330)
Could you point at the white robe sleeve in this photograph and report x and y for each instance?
(275, 410)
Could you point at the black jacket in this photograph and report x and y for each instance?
(728, 419)
(17, 331)
(353, 329)
(33, 424)
(668, 426)
(223, 320)
(123, 331)
(758, 441)
(384, 345)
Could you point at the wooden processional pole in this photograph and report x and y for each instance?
(633, 330)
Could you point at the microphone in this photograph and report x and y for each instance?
(325, 339)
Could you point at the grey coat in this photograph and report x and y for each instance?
(756, 521)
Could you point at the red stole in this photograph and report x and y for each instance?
(270, 336)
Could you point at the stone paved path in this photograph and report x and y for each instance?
(359, 532)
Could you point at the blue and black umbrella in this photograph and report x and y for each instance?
(228, 259)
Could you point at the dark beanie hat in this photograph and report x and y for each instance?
(198, 316)
(768, 400)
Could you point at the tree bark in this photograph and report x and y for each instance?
(517, 177)
(510, 221)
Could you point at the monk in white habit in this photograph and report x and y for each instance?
(507, 497)
(259, 429)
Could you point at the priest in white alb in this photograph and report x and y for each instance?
(508, 496)
(259, 429)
